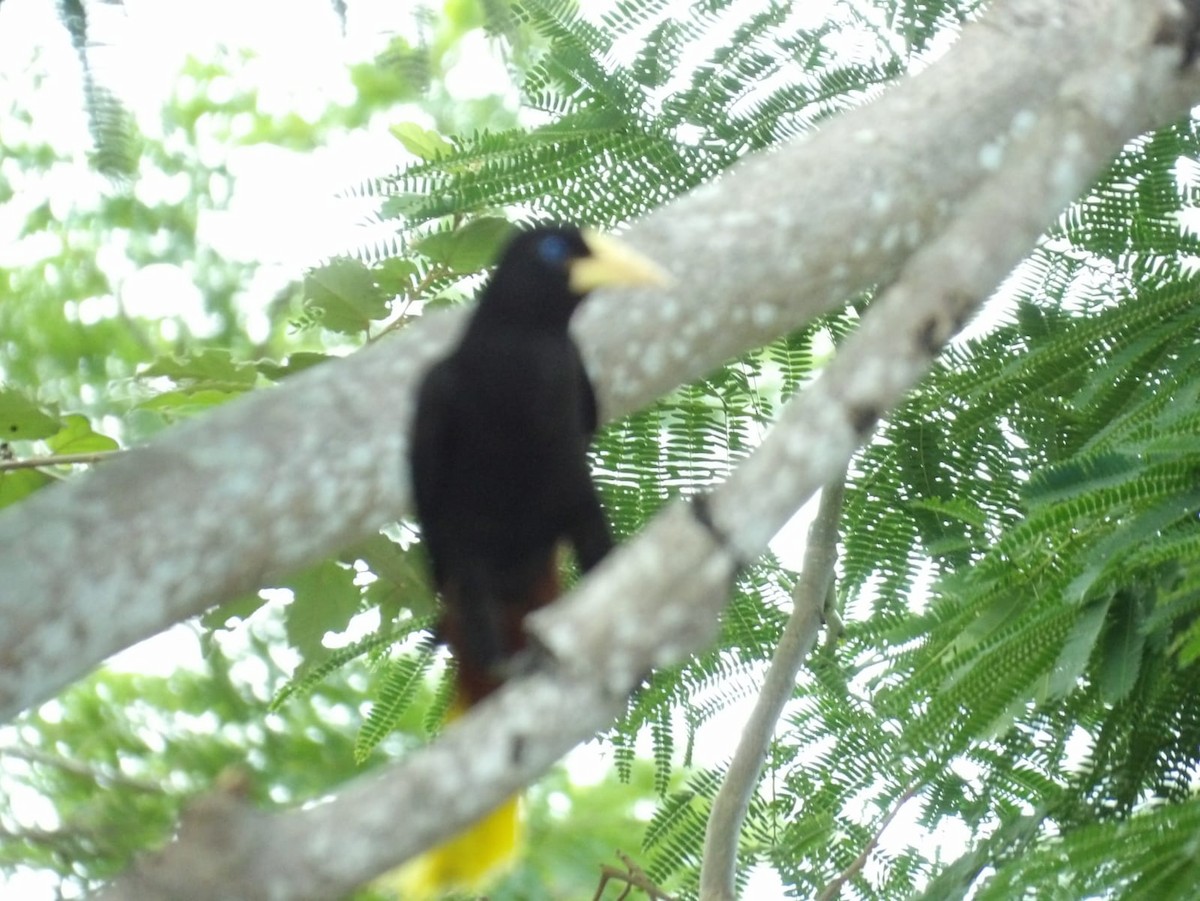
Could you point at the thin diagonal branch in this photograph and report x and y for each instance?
(633, 876)
(717, 876)
(58, 460)
(834, 888)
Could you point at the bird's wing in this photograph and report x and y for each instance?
(432, 434)
(587, 396)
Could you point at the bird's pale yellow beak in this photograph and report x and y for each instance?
(612, 263)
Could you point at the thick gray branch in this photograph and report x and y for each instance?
(227, 849)
(304, 483)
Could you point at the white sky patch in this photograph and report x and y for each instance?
(162, 291)
(162, 654)
(478, 71)
(289, 210)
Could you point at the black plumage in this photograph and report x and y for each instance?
(499, 459)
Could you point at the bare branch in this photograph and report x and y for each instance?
(719, 870)
(226, 848)
(633, 876)
(57, 460)
(831, 891)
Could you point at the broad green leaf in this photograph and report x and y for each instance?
(180, 404)
(17, 484)
(325, 597)
(397, 276)
(294, 363)
(402, 581)
(421, 142)
(210, 369)
(345, 296)
(232, 614)
(470, 248)
(22, 420)
(76, 437)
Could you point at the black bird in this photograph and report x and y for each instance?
(499, 460)
(500, 476)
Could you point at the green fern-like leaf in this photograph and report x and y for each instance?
(402, 680)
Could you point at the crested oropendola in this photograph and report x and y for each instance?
(500, 478)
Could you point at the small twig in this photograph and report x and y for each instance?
(834, 888)
(436, 271)
(633, 876)
(834, 626)
(58, 460)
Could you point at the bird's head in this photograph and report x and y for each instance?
(546, 271)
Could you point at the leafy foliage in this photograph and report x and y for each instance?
(116, 143)
(120, 753)
(626, 134)
(1048, 472)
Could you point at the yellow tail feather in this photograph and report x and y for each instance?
(466, 862)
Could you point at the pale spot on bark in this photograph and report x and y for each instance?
(991, 155)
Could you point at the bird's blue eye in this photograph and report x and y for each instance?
(553, 249)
